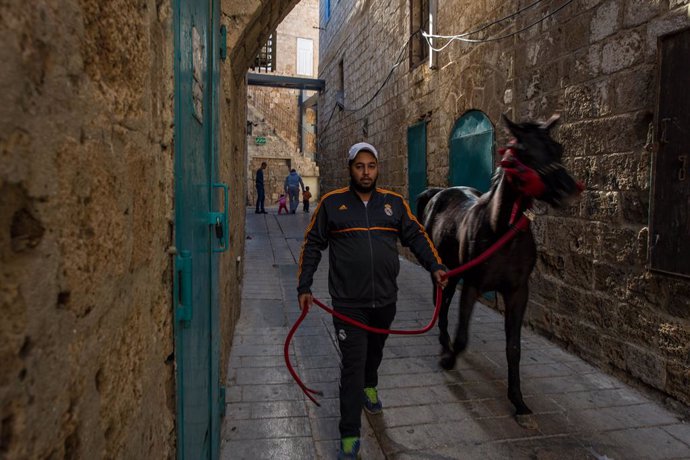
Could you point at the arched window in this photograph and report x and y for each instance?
(471, 147)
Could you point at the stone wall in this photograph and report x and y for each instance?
(275, 112)
(86, 199)
(596, 64)
(86, 214)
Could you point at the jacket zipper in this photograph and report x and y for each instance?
(371, 254)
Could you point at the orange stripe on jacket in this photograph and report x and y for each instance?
(311, 224)
(363, 229)
(412, 216)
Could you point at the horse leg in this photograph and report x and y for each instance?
(446, 298)
(467, 298)
(516, 302)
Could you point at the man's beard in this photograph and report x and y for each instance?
(361, 188)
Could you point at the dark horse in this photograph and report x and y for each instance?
(463, 223)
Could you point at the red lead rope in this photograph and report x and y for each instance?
(521, 224)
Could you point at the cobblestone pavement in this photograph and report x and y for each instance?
(579, 412)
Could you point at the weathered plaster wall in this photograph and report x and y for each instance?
(86, 194)
(595, 63)
(86, 203)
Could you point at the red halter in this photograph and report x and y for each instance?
(522, 177)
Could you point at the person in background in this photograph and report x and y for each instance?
(282, 203)
(361, 225)
(306, 196)
(260, 192)
(293, 184)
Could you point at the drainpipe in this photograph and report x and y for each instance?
(300, 122)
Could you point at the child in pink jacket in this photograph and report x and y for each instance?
(282, 201)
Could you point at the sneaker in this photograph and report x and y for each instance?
(349, 449)
(372, 403)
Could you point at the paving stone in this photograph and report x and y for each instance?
(324, 429)
(269, 409)
(268, 449)
(680, 431)
(639, 443)
(579, 411)
(266, 428)
(263, 375)
(597, 399)
(277, 392)
(261, 361)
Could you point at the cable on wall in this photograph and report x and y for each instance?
(462, 37)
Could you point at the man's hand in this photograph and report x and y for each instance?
(439, 278)
(305, 300)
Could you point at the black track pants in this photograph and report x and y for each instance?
(361, 356)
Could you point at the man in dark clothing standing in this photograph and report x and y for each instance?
(361, 224)
(260, 193)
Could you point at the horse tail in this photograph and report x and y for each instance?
(423, 199)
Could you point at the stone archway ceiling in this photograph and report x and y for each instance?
(249, 24)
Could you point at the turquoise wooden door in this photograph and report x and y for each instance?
(416, 161)
(471, 151)
(471, 155)
(195, 284)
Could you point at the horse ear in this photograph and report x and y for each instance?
(514, 128)
(551, 122)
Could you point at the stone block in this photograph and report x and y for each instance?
(610, 279)
(603, 206)
(606, 20)
(645, 365)
(619, 245)
(622, 51)
(613, 351)
(634, 89)
(678, 301)
(588, 100)
(635, 207)
(582, 139)
(678, 380)
(639, 326)
(646, 289)
(615, 171)
(674, 340)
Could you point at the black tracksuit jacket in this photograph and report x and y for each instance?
(363, 253)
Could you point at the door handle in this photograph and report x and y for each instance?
(219, 220)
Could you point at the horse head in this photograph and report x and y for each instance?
(532, 163)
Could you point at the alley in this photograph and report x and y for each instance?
(580, 412)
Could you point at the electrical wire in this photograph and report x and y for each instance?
(450, 38)
(462, 38)
(486, 26)
(398, 61)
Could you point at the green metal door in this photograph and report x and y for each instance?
(471, 155)
(471, 151)
(416, 160)
(198, 230)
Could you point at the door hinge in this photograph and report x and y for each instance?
(183, 307)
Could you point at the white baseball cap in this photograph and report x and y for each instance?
(361, 146)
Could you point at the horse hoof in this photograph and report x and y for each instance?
(527, 421)
(447, 361)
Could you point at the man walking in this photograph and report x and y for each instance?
(361, 224)
(260, 193)
(293, 183)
